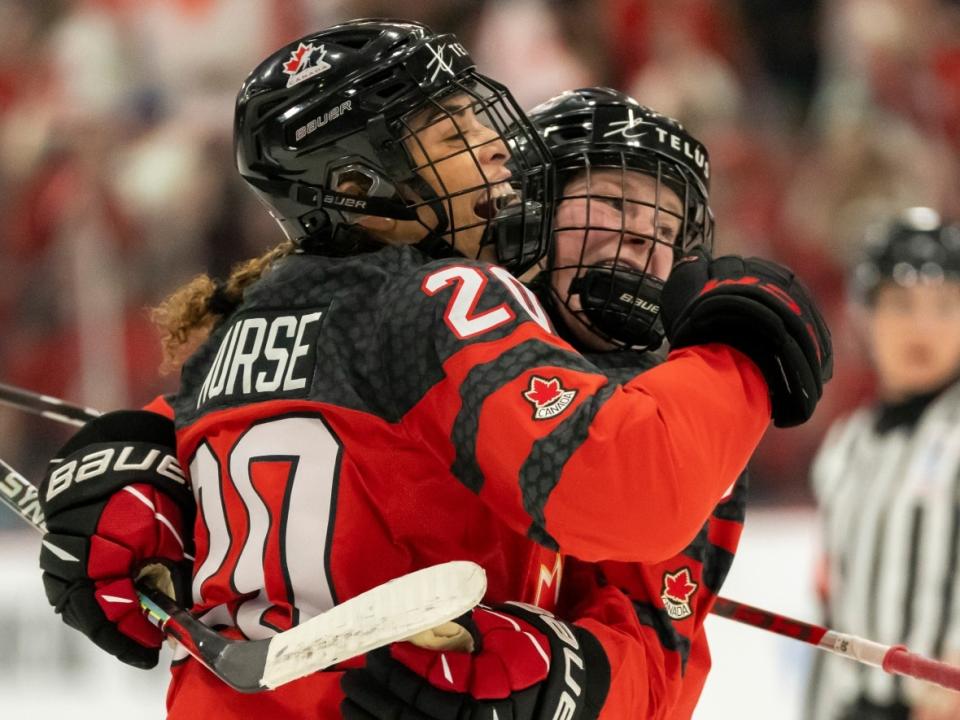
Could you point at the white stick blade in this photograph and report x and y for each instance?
(388, 613)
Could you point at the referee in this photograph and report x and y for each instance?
(887, 479)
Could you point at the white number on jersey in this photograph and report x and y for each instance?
(279, 561)
(461, 316)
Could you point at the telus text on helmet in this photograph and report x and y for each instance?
(693, 152)
(634, 128)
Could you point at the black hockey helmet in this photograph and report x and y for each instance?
(917, 246)
(326, 131)
(598, 128)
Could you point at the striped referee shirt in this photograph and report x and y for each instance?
(888, 486)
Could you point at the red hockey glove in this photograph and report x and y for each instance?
(117, 507)
(764, 311)
(526, 665)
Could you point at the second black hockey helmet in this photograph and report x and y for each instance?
(598, 129)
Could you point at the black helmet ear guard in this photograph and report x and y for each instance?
(598, 131)
(917, 246)
(326, 130)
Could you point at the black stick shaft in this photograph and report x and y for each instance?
(46, 406)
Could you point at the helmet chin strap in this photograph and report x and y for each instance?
(564, 328)
(433, 244)
(395, 161)
(512, 234)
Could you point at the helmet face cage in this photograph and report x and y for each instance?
(916, 248)
(658, 215)
(395, 123)
(631, 200)
(474, 118)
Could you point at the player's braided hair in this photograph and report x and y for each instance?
(186, 317)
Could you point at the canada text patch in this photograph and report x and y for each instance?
(678, 590)
(548, 397)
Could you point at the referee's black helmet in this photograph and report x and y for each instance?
(917, 247)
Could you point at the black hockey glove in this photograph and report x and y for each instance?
(117, 507)
(762, 309)
(526, 665)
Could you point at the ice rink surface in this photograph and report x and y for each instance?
(48, 671)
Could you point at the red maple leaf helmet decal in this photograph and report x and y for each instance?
(306, 62)
(542, 391)
(298, 58)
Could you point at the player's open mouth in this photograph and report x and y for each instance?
(492, 200)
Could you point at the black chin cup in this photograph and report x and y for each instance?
(516, 232)
(622, 305)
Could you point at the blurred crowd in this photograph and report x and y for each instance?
(117, 180)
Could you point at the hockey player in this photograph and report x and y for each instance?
(886, 477)
(661, 604)
(632, 199)
(372, 397)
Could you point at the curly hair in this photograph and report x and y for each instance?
(186, 317)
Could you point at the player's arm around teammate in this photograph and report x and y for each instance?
(620, 224)
(567, 454)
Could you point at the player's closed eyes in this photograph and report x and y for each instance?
(665, 232)
(614, 202)
(464, 131)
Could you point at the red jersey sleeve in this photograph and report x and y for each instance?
(577, 462)
(161, 406)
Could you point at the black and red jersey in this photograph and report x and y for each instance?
(649, 616)
(359, 418)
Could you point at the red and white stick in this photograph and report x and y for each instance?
(894, 659)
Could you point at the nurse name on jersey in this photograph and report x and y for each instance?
(265, 353)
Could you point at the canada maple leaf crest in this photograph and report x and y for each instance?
(542, 391)
(678, 588)
(298, 58)
(548, 397)
(305, 62)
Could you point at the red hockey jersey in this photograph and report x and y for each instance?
(359, 418)
(649, 616)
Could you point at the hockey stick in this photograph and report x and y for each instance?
(894, 659)
(48, 407)
(388, 613)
